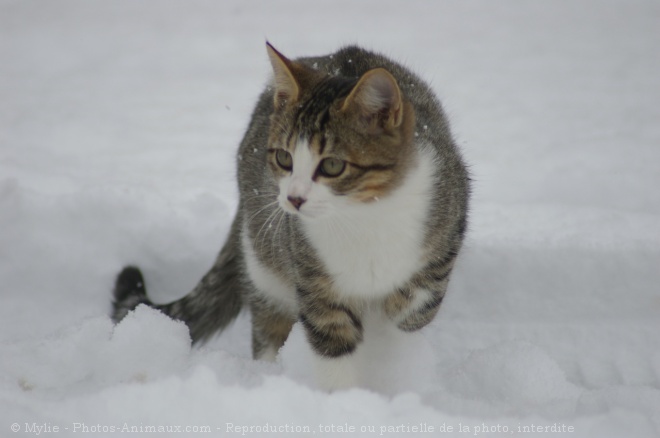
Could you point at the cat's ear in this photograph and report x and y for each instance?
(377, 100)
(287, 88)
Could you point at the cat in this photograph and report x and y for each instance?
(353, 197)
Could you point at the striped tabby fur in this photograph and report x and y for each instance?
(353, 197)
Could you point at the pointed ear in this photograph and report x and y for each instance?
(287, 88)
(377, 99)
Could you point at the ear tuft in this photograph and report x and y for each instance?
(287, 88)
(377, 98)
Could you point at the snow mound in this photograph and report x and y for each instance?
(516, 373)
(146, 345)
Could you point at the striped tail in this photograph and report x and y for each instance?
(206, 310)
(129, 293)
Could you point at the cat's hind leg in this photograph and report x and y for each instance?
(270, 329)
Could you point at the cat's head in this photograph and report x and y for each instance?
(336, 141)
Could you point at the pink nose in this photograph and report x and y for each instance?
(296, 201)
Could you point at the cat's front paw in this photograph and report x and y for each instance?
(412, 310)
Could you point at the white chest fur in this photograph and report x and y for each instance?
(371, 249)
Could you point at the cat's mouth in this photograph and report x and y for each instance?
(306, 213)
(305, 210)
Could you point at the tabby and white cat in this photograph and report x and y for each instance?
(353, 197)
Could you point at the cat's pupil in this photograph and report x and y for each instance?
(332, 167)
(284, 159)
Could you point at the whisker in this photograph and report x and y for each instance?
(269, 205)
(262, 195)
(268, 220)
(277, 233)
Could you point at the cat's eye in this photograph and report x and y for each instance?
(332, 167)
(284, 159)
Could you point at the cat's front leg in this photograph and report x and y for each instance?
(333, 330)
(413, 307)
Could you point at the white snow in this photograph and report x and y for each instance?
(119, 123)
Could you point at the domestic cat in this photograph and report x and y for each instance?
(353, 198)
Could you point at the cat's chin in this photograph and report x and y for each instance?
(308, 215)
